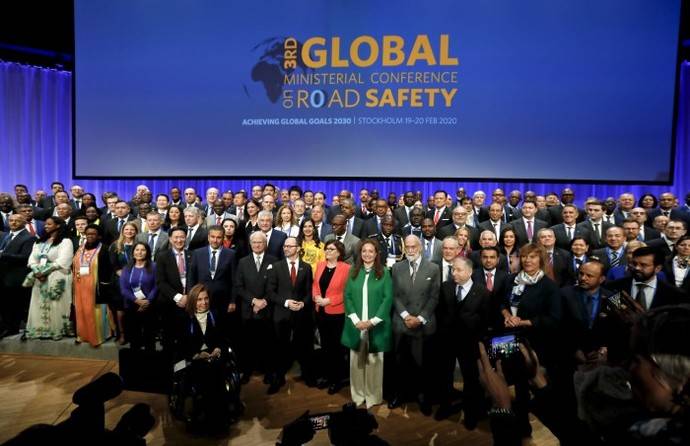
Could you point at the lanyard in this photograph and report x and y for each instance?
(141, 275)
(88, 262)
(45, 249)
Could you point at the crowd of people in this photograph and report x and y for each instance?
(395, 289)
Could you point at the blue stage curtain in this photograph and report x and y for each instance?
(36, 138)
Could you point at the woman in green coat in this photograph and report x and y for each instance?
(367, 332)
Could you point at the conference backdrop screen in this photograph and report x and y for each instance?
(535, 89)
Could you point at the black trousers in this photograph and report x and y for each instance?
(411, 375)
(257, 346)
(335, 354)
(140, 327)
(466, 356)
(295, 341)
(14, 306)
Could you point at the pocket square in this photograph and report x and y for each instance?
(269, 267)
(428, 278)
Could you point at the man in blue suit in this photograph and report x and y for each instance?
(275, 238)
(214, 266)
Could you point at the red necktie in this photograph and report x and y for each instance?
(218, 219)
(293, 273)
(31, 229)
(436, 216)
(489, 282)
(180, 264)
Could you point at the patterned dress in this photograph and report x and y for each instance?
(51, 299)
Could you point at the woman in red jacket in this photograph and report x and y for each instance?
(327, 291)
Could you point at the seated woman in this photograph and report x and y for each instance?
(207, 392)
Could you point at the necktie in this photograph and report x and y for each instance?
(388, 244)
(596, 231)
(293, 273)
(414, 271)
(436, 216)
(258, 263)
(551, 258)
(213, 262)
(496, 231)
(339, 238)
(378, 224)
(78, 202)
(5, 241)
(458, 294)
(449, 273)
(180, 263)
(640, 296)
(489, 281)
(570, 232)
(529, 230)
(427, 248)
(218, 219)
(31, 229)
(119, 224)
(349, 226)
(615, 260)
(666, 213)
(240, 214)
(152, 241)
(578, 264)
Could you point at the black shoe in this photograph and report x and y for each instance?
(334, 388)
(276, 385)
(245, 378)
(23, 337)
(470, 422)
(443, 412)
(424, 405)
(395, 402)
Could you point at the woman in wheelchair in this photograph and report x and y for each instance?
(206, 389)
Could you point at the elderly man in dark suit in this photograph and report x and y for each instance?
(251, 285)
(416, 284)
(462, 319)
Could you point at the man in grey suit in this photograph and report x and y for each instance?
(416, 284)
(154, 236)
(338, 224)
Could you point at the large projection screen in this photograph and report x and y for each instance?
(440, 89)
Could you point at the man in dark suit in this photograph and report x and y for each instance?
(171, 279)
(15, 249)
(626, 203)
(289, 289)
(481, 214)
(674, 230)
(114, 225)
(402, 213)
(582, 306)
(414, 227)
(459, 217)
(354, 225)
(462, 321)
(49, 202)
(579, 248)
(416, 284)
(34, 226)
(595, 224)
(372, 225)
(496, 223)
(214, 266)
(614, 252)
(511, 210)
(644, 286)
(666, 207)
(197, 236)
(498, 282)
(527, 227)
(440, 214)
(251, 285)
(275, 238)
(390, 244)
(350, 241)
(568, 229)
(646, 232)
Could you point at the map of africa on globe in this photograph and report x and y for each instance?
(269, 69)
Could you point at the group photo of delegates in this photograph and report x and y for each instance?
(384, 296)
